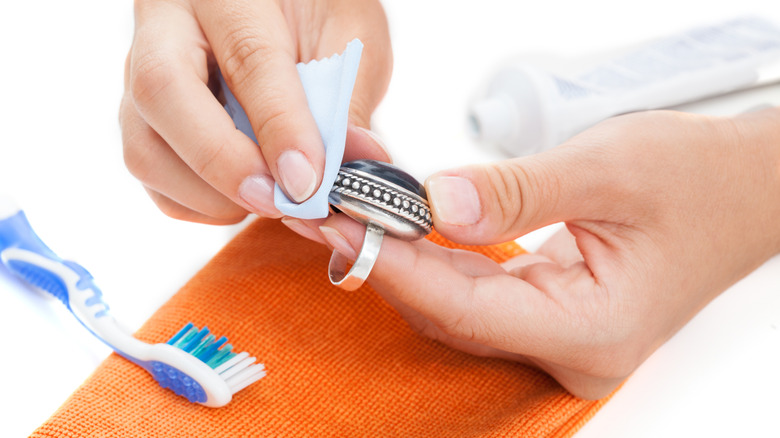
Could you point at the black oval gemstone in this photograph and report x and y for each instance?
(389, 173)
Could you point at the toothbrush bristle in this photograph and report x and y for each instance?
(237, 369)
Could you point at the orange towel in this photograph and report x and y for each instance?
(339, 363)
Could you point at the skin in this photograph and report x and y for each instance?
(663, 210)
(179, 141)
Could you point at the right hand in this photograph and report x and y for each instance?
(181, 143)
(663, 212)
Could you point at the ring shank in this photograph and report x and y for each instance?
(357, 274)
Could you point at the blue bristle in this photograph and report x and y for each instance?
(202, 345)
(180, 334)
(224, 355)
(207, 353)
(195, 339)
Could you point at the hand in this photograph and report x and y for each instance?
(663, 212)
(180, 142)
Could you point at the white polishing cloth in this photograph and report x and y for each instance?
(328, 85)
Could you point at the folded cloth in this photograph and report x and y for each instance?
(328, 85)
(340, 364)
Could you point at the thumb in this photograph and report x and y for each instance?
(492, 203)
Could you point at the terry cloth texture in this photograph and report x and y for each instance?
(340, 364)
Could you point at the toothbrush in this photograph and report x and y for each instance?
(193, 363)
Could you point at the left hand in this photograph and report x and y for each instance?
(663, 212)
(180, 142)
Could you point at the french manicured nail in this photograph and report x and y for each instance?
(338, 242)
(376, 139)
(454, 200)
(258, 192)
(297, 174)
(301, 228)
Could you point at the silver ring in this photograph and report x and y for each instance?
(385, 199)
(358, 273)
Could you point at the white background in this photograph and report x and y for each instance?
(60, 158)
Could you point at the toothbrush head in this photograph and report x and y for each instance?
(233, 371)
(194, 363)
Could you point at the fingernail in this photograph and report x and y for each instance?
(258, 192)
(338, 242)
(454, 200)
(297, 174)
(376, 139)
(301, 228)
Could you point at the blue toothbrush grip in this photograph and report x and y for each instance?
(41, 278)
(16, 232)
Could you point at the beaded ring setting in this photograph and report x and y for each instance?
(386, 200)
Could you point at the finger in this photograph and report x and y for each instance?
(464, 294)
(365, 144)
(523, 260)
(306, 228)
(550, 263)
(258, 57)
(152, 162)
(175, 210)
(497, 202)
(365, 20)
(426, 328)
(168, 85)
(373, 76)
(561, 248)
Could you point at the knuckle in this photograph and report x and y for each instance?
(230, 214)
(173, 209)
(360, 111)
(141, 6)
(459, 328)
(610, 360)
(511, 189)
(274, 121)
(478, 330)
(466, 324)
(592, 388)
(139, 154)
(136, 156)
(150, 73)
(207, 161)
(245, 52)
(122, 114)
(607, 364)
(170, 209)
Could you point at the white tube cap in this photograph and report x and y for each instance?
(492, 119)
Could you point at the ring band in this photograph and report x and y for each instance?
(358, 273)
